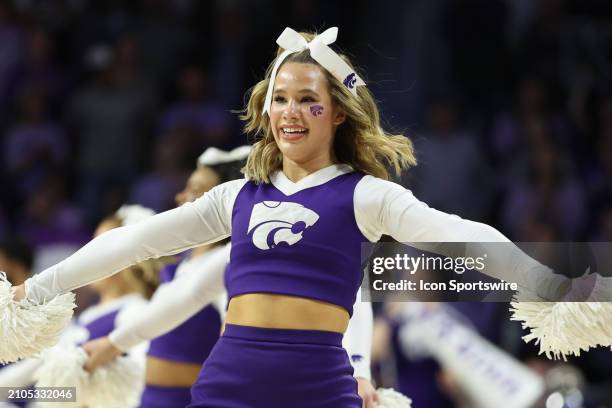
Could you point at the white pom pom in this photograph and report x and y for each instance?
(118, 384)
(389, 398)
(27, 328)
(62, 366)
(567, 328)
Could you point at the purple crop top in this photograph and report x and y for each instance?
(192, 341)
(307, 244)
(102, 326)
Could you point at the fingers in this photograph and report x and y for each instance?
(367, 393)
(369, 400)
(88, 348)
(90, 366)
(375, 398)
(18, 292)
(94, 352)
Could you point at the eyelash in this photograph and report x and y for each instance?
(306, 99)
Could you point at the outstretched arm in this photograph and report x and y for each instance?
(206, 220)
(172, 304)
(383, 207)
(20, 373)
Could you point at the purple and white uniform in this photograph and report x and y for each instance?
(349, 209)
(283, 245)
(192, 341)
(101, 319)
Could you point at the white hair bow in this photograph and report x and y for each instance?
(213, 156)
(291, 42)
(130, 214)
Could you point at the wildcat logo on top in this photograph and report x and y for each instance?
(279, 223)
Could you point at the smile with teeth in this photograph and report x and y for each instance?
(293, 130)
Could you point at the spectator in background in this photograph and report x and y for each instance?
(479, 57)
(110, 118)
(539, 50)
(208, 121)
(157, 188)
(230, 61)
(34, 145)
(50, 223)
(510, 129)
(451, 170)
(600, 178)
(39, 70)
(11, 39)
(543, 183)
(163, 40)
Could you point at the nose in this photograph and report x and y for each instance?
(291, 109)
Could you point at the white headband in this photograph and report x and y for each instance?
(213, 156)
(293, 42)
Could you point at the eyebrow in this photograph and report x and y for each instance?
(304, 90)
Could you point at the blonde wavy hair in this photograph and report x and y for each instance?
(360, 141)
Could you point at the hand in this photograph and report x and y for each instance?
(101, 352)
(590, 287)
(367, 392)
(19, 292)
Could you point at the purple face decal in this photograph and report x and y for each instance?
(316, 110)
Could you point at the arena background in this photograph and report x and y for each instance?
(509, 103)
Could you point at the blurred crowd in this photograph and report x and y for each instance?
(509, 103)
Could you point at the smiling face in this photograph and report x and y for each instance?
(302, 114)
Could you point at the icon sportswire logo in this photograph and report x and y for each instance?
(279, 223)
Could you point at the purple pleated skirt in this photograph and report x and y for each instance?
(165, 397)
(253, 367)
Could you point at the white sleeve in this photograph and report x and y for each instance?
(127, 314)
(384, 207)
(20, 373)
(175, 302)
(208, 219)
(358, 338)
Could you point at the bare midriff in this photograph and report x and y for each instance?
(286, 312)
(168, 373)
(257, 310)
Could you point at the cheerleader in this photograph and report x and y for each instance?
(183, 328)
(315, 189)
